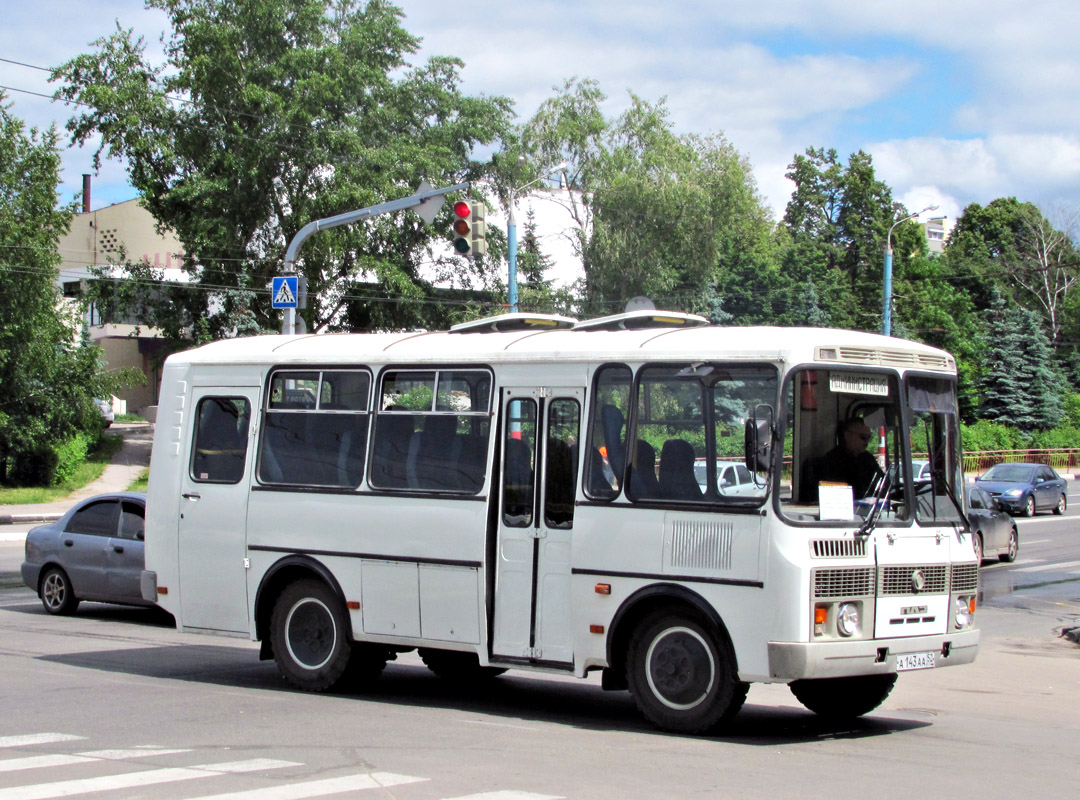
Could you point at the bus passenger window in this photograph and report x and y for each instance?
(221, 434)
(519, 453)
(606, 456)
(560, 474)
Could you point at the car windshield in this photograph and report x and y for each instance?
(1009, 473)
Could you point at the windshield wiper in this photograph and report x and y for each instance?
(881, 491)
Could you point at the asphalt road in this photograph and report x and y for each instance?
(114, 702)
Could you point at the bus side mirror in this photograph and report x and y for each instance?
(759, 439)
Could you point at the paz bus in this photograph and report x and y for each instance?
(645, 495)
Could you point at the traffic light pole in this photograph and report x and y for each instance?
(426, 201)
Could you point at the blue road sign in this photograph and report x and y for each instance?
(284, 292)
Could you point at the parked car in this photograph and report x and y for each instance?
(93, 552)
(732, 479)
(106, 411)
(1025, 488)
(994, 532)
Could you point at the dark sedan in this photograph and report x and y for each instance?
(993, 531)
(1025, 488)
(93, 552)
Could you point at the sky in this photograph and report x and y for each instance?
(957, 102)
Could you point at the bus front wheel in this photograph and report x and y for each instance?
(680, 676)
(843, 698)
(308, 634)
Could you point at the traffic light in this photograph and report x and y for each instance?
(479, 229)
(470, 230)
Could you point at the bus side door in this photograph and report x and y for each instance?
(213, 510)
(532, 610)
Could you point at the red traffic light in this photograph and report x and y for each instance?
(461, 208)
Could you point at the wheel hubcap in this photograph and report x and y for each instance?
(310, 633)
(53, 591)
(681, 670)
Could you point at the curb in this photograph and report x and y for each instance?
(19, 519)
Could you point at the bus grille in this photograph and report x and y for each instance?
(916, 579)
(853, 582)
(838, 548)
(965, 577)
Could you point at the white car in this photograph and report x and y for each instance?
(106, 411)
(733, 479)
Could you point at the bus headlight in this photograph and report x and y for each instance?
(964, 610)
(847, 619)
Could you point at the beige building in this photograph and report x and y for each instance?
(936, 230)
(102, 238)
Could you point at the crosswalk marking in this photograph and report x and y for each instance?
(38, 762)
(320, 788)
(37, 738)
(135, 752)
(115, 758)
(104, 783)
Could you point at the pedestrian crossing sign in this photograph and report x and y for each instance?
(284, 292)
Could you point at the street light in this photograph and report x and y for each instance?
(511, 235)
(886, 316)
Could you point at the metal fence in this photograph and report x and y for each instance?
(1061, 459)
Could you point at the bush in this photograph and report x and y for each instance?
(70, 455)
(35, 467)
(988, 435)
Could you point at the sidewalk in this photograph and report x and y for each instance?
(130, 460)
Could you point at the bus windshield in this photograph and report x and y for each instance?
(841, 447)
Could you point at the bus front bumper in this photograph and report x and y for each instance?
(790, 661)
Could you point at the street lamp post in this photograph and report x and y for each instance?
(511, 236)
(886, 314)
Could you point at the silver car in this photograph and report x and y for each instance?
(93, 552)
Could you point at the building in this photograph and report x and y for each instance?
(106, 237)
(936, 230)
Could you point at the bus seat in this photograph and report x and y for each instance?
(393, 437)
(643, 482)
(436, 457)
(677, 480)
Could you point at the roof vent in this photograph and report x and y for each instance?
(640, 320)
(518, 321)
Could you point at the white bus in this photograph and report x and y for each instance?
(520, 492)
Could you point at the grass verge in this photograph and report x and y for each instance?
(89, 470)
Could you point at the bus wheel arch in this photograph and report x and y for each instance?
(276, 580)
(666, 622)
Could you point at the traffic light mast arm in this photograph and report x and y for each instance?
(424, 194)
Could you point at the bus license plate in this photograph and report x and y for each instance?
(908, 661)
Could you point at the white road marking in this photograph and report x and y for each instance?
(153, 777)
(135, 752)
(508, 795)
(37, 738)
(37, 762)
(320, 788)
(1063, 565)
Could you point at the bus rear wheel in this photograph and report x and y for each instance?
(681, 676)
(308, 633)
(843, 698)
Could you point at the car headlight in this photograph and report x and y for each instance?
(1014, 492)
(964, 609)
(847, 619)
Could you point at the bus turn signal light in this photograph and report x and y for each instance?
(603, 588)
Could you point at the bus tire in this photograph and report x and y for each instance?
(843, 698)
(459, 667)
(308, 632)
(681, 675)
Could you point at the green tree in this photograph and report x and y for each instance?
(268, 115)
(838, 219)
(1020, 386)
(48, 378)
